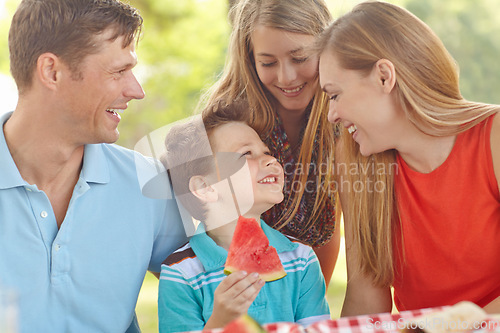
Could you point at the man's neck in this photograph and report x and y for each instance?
(44, 159)
(40, 155)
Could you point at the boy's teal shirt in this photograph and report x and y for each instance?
(190, 276)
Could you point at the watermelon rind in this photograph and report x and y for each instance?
(268, 277)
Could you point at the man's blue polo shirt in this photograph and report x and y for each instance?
(86, 276)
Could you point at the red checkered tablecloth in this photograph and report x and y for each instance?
(386, 323)
(383, 322)
(378, 323)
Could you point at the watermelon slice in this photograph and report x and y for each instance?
(244, 324)
(250, 251)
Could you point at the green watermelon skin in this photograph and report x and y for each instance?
(250, 251)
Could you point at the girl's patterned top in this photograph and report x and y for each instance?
(319, 233)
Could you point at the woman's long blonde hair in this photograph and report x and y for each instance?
(428, 91)
(240, 80)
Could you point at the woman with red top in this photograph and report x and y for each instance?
(421, 166)
(269, 65)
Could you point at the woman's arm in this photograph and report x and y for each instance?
(328, 253)
(362, 296)
(493, 307)
(495, 146)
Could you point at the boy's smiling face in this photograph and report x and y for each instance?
(266, 174)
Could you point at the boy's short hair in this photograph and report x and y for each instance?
(190, 150)
(67, 28)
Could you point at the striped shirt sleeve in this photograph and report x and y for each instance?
(312, 305)
(180, 306)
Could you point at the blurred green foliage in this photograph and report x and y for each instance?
(471, 32)
(181, 52)
(183, 47)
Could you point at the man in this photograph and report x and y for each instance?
(76, 233)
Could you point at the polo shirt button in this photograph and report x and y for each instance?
(58, 247)
(44, 214)
(28, 189)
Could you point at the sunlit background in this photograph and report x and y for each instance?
(183, 50)
(8, 91)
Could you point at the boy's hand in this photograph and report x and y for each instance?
(233, 297)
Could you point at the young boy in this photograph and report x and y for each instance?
(194, 292)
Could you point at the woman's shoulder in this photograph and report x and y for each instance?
(495, 145)
(496, 122)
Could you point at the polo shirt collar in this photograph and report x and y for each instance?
(95, 166)
(213, 256)
(10, 176)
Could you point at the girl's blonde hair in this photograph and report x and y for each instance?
(240, 80)
(427, 89)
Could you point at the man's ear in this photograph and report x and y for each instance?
(385, 74)
(48, 67)
(201, 189)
